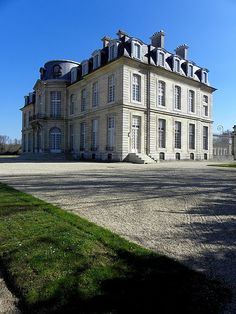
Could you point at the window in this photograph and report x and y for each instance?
(177, 97)
(84, 67)
(192, 156)
(190, 70)
(29, 142)
(83, 100)
(112, 51)
(24, 120)
(177, 65)
(205, 105)
(56, 71)
(71, 132)
(205, 137)
(82, 135)
(136, 88)
(96, 60)
(204, 77)
(192, 136)
(73, 75)
(191, 101)
(161, 93)
(177, 134)
(110, 133)
(72, 103)
(55, 104)
(161, 59)
(162, 156)
(94, 135)
(161, 133)
(177, 156)
(137, 50)
(39, 104)
(111, 88)
(95, 94)
(55, 140)
(205, 156)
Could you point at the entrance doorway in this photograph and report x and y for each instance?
(135, 134)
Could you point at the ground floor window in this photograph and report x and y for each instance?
(177, 156)
(162, 156)
(55, 140)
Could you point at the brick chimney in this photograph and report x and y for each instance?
(182, 51)
(158, 39)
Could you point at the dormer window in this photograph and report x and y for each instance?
(136, 50)
(73, 75)
(96, 59)
(56, 70)
(85, 67)
(177, 65)
(204, 77)
(161, 59)
(190, 70)
(113, 49)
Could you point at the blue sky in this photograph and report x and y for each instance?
(33, 32)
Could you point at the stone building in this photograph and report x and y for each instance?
(128, 101)
(234, 142)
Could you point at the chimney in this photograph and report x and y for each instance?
(158, 39)
(106, 40)
(122, 35)
(182, 51)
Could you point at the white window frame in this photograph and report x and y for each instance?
(83, 100)
(95, 94)
(205, 105)
(177, 65)
(161, 133)
(190, 70)
(55, 103)
(204, 77)
(94, 140)
(96, 59)
(191, 101)
(136, 50)
(111, 132)
(205, 137)
(72, 104)
(177, 97)
(112, 50)
(192, 136)
(136, 88)
(161, 93)
(82, 136)
(111, 88)
(178, 135)
(160, 61)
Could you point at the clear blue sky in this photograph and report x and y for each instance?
(35, 31)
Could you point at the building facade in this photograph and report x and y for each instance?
(128, 99)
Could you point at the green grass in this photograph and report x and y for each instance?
(224, 165)
(57, 262)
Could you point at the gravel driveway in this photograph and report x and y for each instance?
(185, 210)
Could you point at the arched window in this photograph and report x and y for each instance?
(55, 140)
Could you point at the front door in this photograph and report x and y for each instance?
(135, 140)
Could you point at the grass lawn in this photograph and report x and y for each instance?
(224, 165)
(57, 262)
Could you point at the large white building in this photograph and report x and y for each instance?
(128, 101)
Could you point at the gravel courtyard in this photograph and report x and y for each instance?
(185, 210)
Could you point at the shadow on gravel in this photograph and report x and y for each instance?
(153, 285)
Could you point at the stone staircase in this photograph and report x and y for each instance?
(138, 158)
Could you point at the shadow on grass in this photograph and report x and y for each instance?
(153, 284)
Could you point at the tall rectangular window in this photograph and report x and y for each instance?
(161, 133)
(205, 105)
(161, 93)
(82, 136)
(111, 88)
(136, 88)
(55, 104)
(83, 99)
(94, 134)
(192, 136)
(177, 134)
(205, 137)
(137, 50)
(161, 59)
(191, 101)
(95, 94)
(39, 104)
(72, 103)
(190, 70)
(112, 52)
(110, 133)
(177, 97)
(71, 132)
(177, 65)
